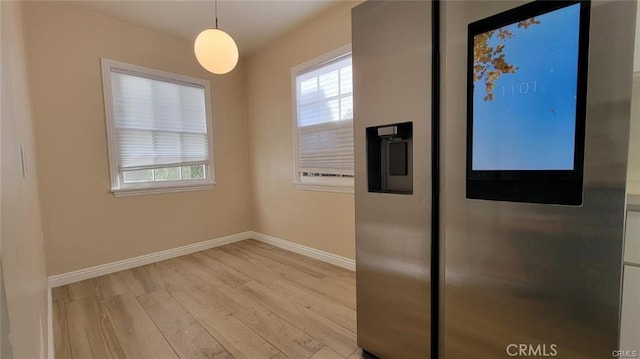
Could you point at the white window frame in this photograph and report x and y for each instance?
(326, 184)
(118, 186)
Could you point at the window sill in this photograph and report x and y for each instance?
(143, 191)
(323, 187)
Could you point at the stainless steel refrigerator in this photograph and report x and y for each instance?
(544, 276)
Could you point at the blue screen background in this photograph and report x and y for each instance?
(530, 123)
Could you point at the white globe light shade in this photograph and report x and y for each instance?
(216, 51)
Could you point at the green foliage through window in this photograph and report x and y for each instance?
(165, 174)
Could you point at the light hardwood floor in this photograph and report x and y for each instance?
(242, 300)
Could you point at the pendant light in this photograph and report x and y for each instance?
(215, 49)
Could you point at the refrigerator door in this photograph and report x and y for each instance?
(392, 67)
(531, 279)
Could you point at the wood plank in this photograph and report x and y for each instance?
(234, 335)
(168, 278)
(139, 281)
(358, 354)
(284, 259)
(351, 281)
(100, 288)
(60, 293)
(137, 334)
(61, 342)
(111, 285)
(317, 285)
(331, 310)
(225, 274)
(83, 289)
(170, 263)
(326, 353)
(289, 273)
(290, 340)
(90, 331)
(245, 300)
(345, 285)
(337, 271)
(195, 275)
(187, 337)
(327, 332)
(324, 287)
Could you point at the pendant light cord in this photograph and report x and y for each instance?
(216, 12)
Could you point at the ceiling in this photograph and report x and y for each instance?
(252, 23)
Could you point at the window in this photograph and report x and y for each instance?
(159, 130)
(324, 122)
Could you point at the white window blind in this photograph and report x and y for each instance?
(158, 130)
(324, 97)
(158, 122)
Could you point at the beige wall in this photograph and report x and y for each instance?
(320, 220)
(84, 224)
(23, 264)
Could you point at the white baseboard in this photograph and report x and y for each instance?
(50, 348)
(99, 270)
(331, 258)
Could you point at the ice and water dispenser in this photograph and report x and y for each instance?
(390, 158)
